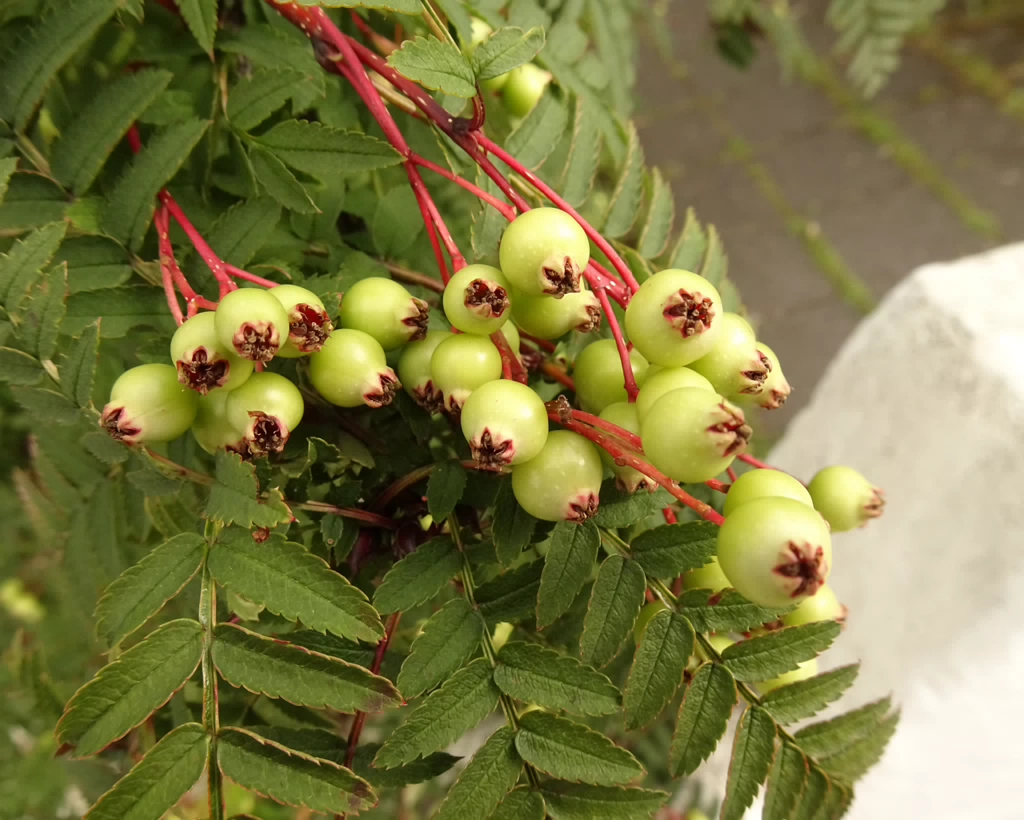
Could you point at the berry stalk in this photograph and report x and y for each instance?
(510, 366)
(628, 379)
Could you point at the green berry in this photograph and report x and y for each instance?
(628, 479)
(845, 498)
(776, 388)
(462, 363)
(645, 617)
(734, 365)
(414, 371)
(598, 375)
(661, 380)
(523, 89)
(823, 605)
(808, 669)
(252, 323)
(149, 404)
(563, 483)
(309, 325)
(692, 434)
(476, 300)
(265, 410)
(212, 430)
(546, 317)
(720, 642)
(385, 310)
(764, 484)
(674, 318)
(502, 632)
(544, 251)
(505, 422)
(709, 576)
(203, 363)
(775, 551)
(351, 370)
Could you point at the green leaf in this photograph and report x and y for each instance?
(46, 404)
(201, 18)
(690, 246)
(280, 670)
(725, 611)
(465, 699)
(567, 750)
(444, 489)
(276, 48)
(31, 64)
(326, 152)
(660, 215)
(615, 600)
(93, 135)
(448, 639)
(122, 309)
(584, 153)
(535, 674)
(419, 576)
(158, 781)
(295, 584)
(280, 183)
(619, 509)
(703, 718)
(522, 803)
(670, 550)
(127, 691)
(507, 48)
(18, 367)
(752, 754)
(254, 99)
(816, 792)
(142, 590)
(20, 266)
(396, 222)
(854, 760)
(233, 497)
(436, 65)
(418, 771)
(833, 735)
(130, 203)
(512, 527)
(488, 777)
(538, 134)
(578, 801)
(768, 656)
(658, 667)
(31, 201)
(94, 262)
(716, 264)
(243, 229)
(46, 312)
(567, 567)
(7, 167)
(833, 806)
(290, 777)
(628, 193)
(785, 783)
(77, 371)
(512, 596)
(401, 6)
(800, 700)
(459, 17)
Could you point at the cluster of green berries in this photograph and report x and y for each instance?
(521, 88)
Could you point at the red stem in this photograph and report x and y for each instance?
(753, 462)
(166, 260)
(431, 213)
(239, 273)
(543, 344)
(729, 471)
(632, 439)
(629, 380)
(213, 262)
(378, 659)
(715, 484)
(428, 223)
(555, 373)
(503, 208)
(510, 366)
(669, 516)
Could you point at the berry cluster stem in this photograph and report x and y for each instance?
(628, 379)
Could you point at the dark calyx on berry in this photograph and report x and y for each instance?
(593, 320)
(876, 504)
(382, 394)
(734, 431)
(756, 375)
(309, 327)
(257, 341)
(492, 452)
(689, 313)
(806, 563)
(563, 278)
(118, 425)
(201, 374)
(583, 508)
(419, 320)
(487, 298)
(429, 398)
(268, 434)
(776, 398)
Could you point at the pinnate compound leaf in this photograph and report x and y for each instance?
(46, 312)
(619, 509)
(20, 266)
(233, 497)
(436, 65)
(255, 98)
(323, 151)
(271, 47)
(672, 549)
(835, 734)
(94, 263)
(658, 667)
(130, 204)
(567, 750)
(290, 777)
(201, 19)
(689, 249)
(815, 795)
(122, 309)
(512, 596)
(785, 783)
(31, 201)
(522, 803)
(448, 639)
(87, 143)
(158, 781)
(716, 263)
(126, 692)
(752, 753)
(142, 590)
(279, 182)
(725, 611)
(567, 566)
(7, 167)
(18, 367)
(444, 489)
(488, 777)
(281, 670)
(615, 600)
(768, 656)
(419, 576)
(465, 699)
(512, 527)
(46, 404)
(800, 700)
(854, 760)
(77, 371)
(584, 153)
(579, 801)
(416, 771)
(507, 48)
(243, 229)
(660, 214)
(835, 803)
(295, 584)
(536, 674)
(703, 718)
(539, 132)
(628, 193)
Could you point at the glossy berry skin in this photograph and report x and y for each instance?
(502, 632)
(823, 605)
(212, 430)
(776, 389)
(202, 362)
(308, 322)
(544, 251)
(692, 434)
(476, 300)
(674, 318)
(505, 422)
(775, 551)
(658, 382)
(630, 480)
(764, 483)
(414, 371)
(645, 617)
(808, 669)
(511, 334)
(720, 642)
(709, 576)
(385, 310)
(462, 363)
(351, 370)
(149, 404)
(845, 497)
(524, 88)
(252, 323)
(598, 375)
(734, 365)
(545, 317)
(563, 483)
(265, 412)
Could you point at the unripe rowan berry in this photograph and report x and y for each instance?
(252, 323)
(845, 498)
(597, 373)
(763, 483)
(628, 479)
(709, 576)
(776, 388)
(203, 363)
(149, 404)
(385, 310)
(265, 412)
(351, 370)
(563, 483)
(823, 605)
(808, 669)
(308, 322)
(546, 317)
(505, 422)
(414, 371)
(544, 251)
(734, 365)
(476, 300)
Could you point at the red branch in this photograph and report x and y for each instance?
(504, 209)
(555, 373)
(753, 462)
(628, 379)
(632, 439)
(729, 471)
(239, 273)
(378, 659)
(719, 486)
(511, 368)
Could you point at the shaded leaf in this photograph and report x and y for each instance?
(448, 639)
(716, 264)
(280, 183)
(801, 699)
(567, 566)
(521, 803)
(437, 65)
(122, 309)
(703, 718)
(487, 778)
(833, 735)
(20, 266)
(854, 760)
(46, 312)
(254, 99)
(512, 596)
(320, 150)
(584, 153)
(273, 47)
(628, 193)
(201, 18)
(46, 404)
(690, 246)
(579, 801)
(243, 229)
(535, 674)
(507, 48)
(619, 509)
(233, 496)
(7, 167)
(658, 666)
(660, 214)
(768, 656)
(31, 201)
(512, 526)
(670, 550)
(615, 600)
(444, 489)
(539, 132)
(416, 771)
(785, 783)
(419, 576)
(725, 611)
(815, 793)
(752, 753)
(77, 371)
(18, 367)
